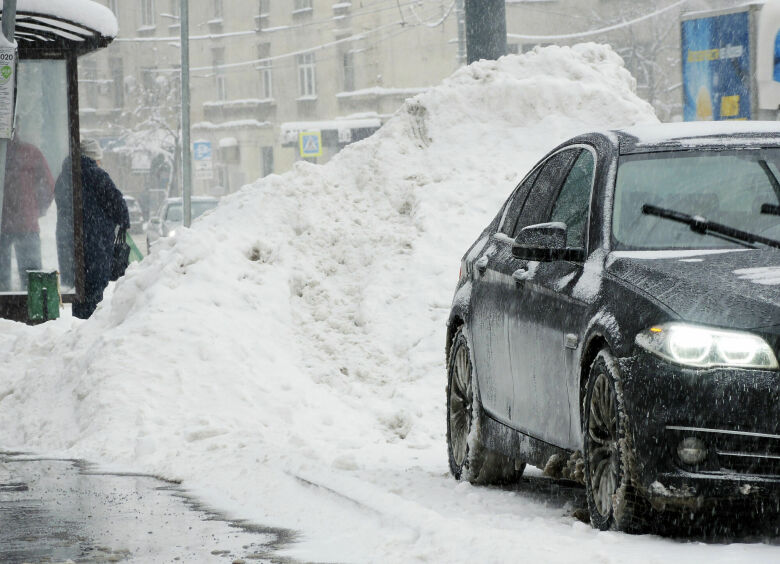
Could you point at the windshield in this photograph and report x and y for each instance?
(174, 212)
(727, 187)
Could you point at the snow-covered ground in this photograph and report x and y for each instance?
(285, 357)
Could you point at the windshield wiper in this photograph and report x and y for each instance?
(770, 209)
(700, 225)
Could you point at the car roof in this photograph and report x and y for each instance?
(693, 135)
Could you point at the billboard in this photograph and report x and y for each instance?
(716, 67)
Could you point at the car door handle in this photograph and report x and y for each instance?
(482, 265)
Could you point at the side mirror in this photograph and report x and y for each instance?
(545, 242)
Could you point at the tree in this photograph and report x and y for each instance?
(149, 134)
(651, 48)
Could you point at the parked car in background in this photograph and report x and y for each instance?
(170, 217)
(618, 324)
(136, 215)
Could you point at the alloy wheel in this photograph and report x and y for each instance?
(604, 453)
(461, 399)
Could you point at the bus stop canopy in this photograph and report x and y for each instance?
(75, 26)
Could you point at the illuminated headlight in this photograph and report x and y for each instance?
(171, 233)
(701, 347)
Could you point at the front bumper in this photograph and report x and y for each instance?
(735, 412)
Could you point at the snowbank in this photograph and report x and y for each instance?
(285, 356)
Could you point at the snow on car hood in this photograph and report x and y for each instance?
(294, 337)
(739, 289)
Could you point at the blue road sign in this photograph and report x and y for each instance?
(201, 150)
(311, 144)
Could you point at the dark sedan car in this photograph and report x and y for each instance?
(618, 323)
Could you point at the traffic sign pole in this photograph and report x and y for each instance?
(186, 149)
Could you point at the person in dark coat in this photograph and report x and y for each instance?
(104, 210)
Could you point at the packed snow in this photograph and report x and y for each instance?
(765, 276)
(285, 356)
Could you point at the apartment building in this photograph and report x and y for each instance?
(264, 72)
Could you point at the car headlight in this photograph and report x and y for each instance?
(171, 233)
(701, 347)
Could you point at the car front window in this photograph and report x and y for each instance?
(173, 214)
(727, 187)
(573, 203)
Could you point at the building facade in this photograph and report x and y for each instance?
(270, 76)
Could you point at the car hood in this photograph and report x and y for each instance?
(739, 289)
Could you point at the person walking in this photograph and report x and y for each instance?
(104, 210)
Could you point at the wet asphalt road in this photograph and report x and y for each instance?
(63, 510)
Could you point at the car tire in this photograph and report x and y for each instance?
(469, 459)
(613, 501)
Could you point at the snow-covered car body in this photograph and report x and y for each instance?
(543, 317)
(170, 217)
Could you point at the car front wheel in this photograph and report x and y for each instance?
(613, 502)
(469, 459)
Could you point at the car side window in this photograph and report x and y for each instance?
(516, 202)
(551, 175)
(573, 202)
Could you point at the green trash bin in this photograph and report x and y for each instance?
(43, 295)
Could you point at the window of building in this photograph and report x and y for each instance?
(118, 80)
(89, 80)
(223, 178)
(263, 14)
(266, 71)
(349, 71)
(218, 9)
(268, 160)
(307, 77)
(218, 55)
(266, 80)
(113, 5)
(147, 13)
(302, 6)
(147, 78)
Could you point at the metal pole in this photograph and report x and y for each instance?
(485, 29)
(9, 28)
(460, 12)
(186, 154)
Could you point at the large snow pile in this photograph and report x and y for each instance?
(285, 356)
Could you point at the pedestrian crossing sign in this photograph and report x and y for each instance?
(310, 143)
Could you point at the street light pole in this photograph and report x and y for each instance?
(485, 29)
(9, 28)
(186, 155)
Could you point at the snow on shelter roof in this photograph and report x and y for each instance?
(73, 25)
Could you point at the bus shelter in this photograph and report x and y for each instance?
(41, 215)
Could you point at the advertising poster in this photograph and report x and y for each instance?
(716, 67)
